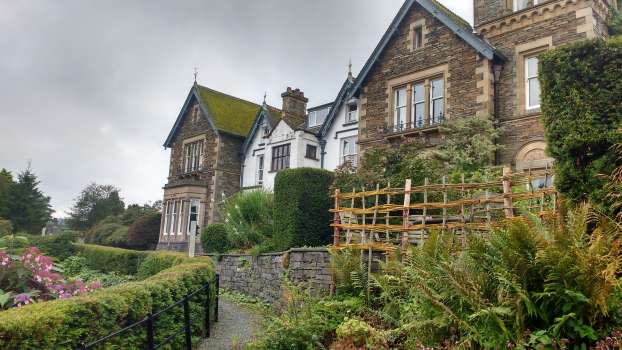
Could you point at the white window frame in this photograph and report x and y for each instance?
(517, 3)
(167, 213)
(261, 164)
(193, 156)
(416, 103)
(352, 116)
(400, 124)
(174, 217)
(528, 79)
(352, 154)
(433, 99)
(313, 117)
(180, 217)
(193, 202)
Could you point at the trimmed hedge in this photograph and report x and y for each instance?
(301, 208)
(71, 323)
(110, 259)
(130, 262)
(581, 111)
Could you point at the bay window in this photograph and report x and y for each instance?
(280, 157)
(193, 215)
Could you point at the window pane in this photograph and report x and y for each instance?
(400, 98)
(534, 92)
(532, 67)
(418, 37)
(419, 93)
(437, 88)
(521, 4)
(419, 114)
(437, 113)
(400, 116)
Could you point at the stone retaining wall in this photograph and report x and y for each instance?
(263, 276)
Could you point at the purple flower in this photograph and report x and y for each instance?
(22, 299)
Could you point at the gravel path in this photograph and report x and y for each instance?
(235, 327)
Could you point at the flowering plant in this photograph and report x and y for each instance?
(31, 277)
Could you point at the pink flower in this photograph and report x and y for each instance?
(22, 299)
(5, 259)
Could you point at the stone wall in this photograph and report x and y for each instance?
(263, 276)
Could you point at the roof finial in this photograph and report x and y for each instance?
(196, 72)
(350, 69)
(265, 96)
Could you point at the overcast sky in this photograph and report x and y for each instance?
(90, 89)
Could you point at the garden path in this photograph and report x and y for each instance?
(235, 327)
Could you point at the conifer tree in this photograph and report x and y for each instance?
(28, 208)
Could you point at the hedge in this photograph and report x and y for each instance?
(70, 323)
(110, 259)
(301, 208)
(582, 111)
(129, 262)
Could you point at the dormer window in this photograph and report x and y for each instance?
(523, 4)
(352, 113)
(317, 117)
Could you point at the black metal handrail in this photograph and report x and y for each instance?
(148, 322)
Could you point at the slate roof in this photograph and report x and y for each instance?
(454, 22)
(225, 113)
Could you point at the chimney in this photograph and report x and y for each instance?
(294, 102)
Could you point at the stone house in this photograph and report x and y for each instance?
(432, 66)
(429, 67)
(205, 162)
(221, 144)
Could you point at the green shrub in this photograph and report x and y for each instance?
(6, 228)
(59, 246)
(69, 324)
(76, 267)
(301, 211)
(582, 110)
(110, 259)
(145, 231)
(108, 233)
(249, 218)
(214, 239)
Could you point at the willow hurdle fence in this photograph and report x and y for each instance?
(387, 218)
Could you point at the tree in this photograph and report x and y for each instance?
(469, 143)
(28, 208)
(145, 231)
(95, 203)
(6, 180)
(135, 211)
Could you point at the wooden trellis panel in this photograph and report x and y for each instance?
(391, 217)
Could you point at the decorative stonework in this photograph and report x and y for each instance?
(539, 13)
(411, 37)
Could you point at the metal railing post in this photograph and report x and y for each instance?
(207, 310)
(217, 296)
(187, 323)
(150, 334)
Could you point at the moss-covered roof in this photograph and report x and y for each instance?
(459, 20)
(229, 114)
